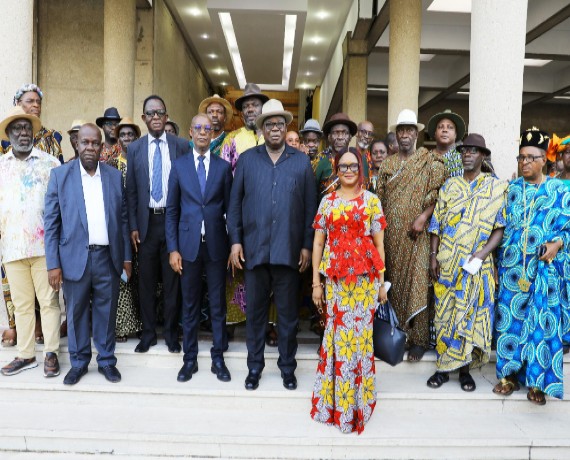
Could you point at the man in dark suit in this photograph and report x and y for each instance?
(197, 240)
(87, 248)
(149, 159)
(272, 206)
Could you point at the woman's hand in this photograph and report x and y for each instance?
(382, 294)
(319, 296)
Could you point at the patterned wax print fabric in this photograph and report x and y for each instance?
(533, 319)
(108, 154)
(452, 161)
(465, 215)
(215, 144)
(23, 186)
(344, 393)
(128, 316)
(46, 140)
(327, 182)
(406, 188)
(237, 142)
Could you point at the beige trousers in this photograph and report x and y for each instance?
(28, 280)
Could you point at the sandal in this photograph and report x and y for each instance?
(506, 386)
(271, 337)
(416, 353)
(466, 381)
(438, 379)
(9, 338)
(536, 396)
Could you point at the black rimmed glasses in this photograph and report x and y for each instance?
(528, 158)
(153, 113)
(270, 125)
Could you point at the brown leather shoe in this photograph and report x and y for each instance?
(19, 365)
(51, 365)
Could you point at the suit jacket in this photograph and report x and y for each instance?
(138, 179)
(186, 208)
(272, 207)
(65, 218)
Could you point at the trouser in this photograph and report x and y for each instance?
(98, 288)
(283, 281)
(28, 280)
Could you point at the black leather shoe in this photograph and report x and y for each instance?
(111, 373)
(143, 346)
(289, 380)
(74, 375)
(222, 373)
(187, 370)
(252, 379)
(174, 348)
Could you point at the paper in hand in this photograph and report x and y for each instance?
(472, 267)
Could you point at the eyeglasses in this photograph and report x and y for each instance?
(466, 150)
(112, 124)
(280, 125)
(340, 134)
(198, 128)
(343, 168)
(17, 129)
(528, 158)
(152, 113)
(366, 133)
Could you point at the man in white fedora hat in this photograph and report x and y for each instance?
(272, 206)
(408, 184)
(24, 177)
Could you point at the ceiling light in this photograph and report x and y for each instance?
(219, 71)
(373, 88)
(231, 41)
(312, 58)
(450, 6)
(205, 36)
(323, 15)
(212, 56)
(426, 57)
(308, 74)
(316, 39)
(193, 11)
(305, 86)
(463, 92)
(536, 62)
(561, 97)
(223, 83)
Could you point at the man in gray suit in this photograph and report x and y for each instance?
(87, 246)
(149, 159)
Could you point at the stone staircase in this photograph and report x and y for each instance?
(149, 415)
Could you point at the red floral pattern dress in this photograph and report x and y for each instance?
(344, 394)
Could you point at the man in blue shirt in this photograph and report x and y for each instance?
(272, 206)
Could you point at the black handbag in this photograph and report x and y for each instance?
(389, 340)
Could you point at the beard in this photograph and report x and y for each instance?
(251, 125)
(23, 148)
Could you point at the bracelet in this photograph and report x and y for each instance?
(434, 253)
(321, 285)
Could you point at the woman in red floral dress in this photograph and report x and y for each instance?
(348, 251)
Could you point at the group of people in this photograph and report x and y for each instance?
(260, 214)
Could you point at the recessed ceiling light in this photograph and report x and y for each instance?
(561, 97)
(323, 14)
(450, 6)
(205, 36)
(374, 88)
(536, 62)
(305, 86)
(219, 71)
(308, 74)
(193, 11)
(316, 39)
(212, 55)
(312, 58)
(426, 57)
(223, 83)
(465, 93)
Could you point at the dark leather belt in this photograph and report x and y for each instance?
(97, 247)
(157, 210)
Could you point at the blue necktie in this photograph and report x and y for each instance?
(202, 174)
(156, 192)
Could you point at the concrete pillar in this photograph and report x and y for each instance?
(404, 57)
(355, 79)
(16, 46)
(119, 54)
(497, 67)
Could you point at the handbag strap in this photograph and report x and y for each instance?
(390, 313)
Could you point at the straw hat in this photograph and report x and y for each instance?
(219, 100)
(17, 113)
(75, 125)
(127, 121)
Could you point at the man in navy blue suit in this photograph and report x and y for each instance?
(150, 159)
(197, 240)
(87, 249)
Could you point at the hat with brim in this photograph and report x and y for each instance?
(110, 114)
(251, 90)
(218, 100)
(273, 108)
(340, 119)
(17, 113)
(127, 121)
(75, 125)
(407, 117)
(311, 126)
(455, 118)
(476, 140)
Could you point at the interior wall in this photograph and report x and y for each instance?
(177, 77)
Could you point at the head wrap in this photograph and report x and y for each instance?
(556, 146)
(24, 89)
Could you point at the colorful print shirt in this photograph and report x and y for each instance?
(237, 142)
(23, 185)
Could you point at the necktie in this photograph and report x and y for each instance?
(202, 174)
(156, 192)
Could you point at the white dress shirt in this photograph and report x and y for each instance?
(165, 153)
(94, 207)
(207, 167)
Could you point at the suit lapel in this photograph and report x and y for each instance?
(171, 141)
(212, 171)
(191, 167)
(79, 196)
(144, 160)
